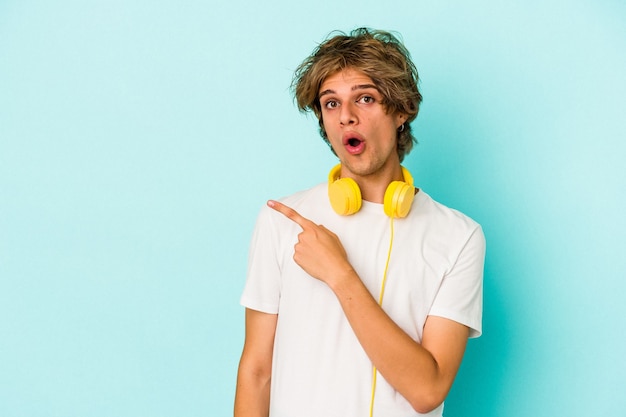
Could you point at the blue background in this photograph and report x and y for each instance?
(139, 139)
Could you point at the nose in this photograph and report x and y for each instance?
(347, 115)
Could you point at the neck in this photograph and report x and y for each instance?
(373, 186)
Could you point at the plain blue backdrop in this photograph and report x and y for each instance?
(139, 139)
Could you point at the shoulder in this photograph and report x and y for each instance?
(313, 195)
(308, 203)
(443, 220)
(430, 207)
(311, 203)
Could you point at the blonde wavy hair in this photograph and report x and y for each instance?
(380, 56)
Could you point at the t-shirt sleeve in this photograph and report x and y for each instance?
(460, 296)
(262, 289)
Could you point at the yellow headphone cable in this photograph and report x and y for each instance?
(380, 303)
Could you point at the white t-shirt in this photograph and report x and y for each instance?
(319, 368)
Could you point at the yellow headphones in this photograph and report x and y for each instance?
(345, 194)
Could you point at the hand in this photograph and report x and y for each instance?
(318, 251)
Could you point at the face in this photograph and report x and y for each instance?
(360, 131)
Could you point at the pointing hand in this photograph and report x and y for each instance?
(318, 251)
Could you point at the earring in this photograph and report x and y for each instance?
(401, 128)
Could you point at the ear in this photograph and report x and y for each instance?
(400, 118)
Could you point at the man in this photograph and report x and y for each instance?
(361, 292)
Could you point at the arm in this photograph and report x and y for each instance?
(421, 373)
(252, 397)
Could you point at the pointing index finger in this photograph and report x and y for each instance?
(290, 213)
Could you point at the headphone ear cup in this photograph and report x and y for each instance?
(398, 199)
(345, 196)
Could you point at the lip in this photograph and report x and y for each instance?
(348, 140)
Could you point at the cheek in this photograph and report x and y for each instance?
(327, 123)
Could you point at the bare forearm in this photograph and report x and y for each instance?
(252, 398)
(407, 365)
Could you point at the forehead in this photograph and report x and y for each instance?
(347, 78)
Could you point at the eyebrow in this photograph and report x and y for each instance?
(354, 88)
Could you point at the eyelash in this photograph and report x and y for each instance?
(333, 104)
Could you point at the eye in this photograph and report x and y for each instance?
(331, 104)
(366, 100)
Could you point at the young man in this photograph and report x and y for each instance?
(361, 292)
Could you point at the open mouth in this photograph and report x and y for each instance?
(354, 142)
